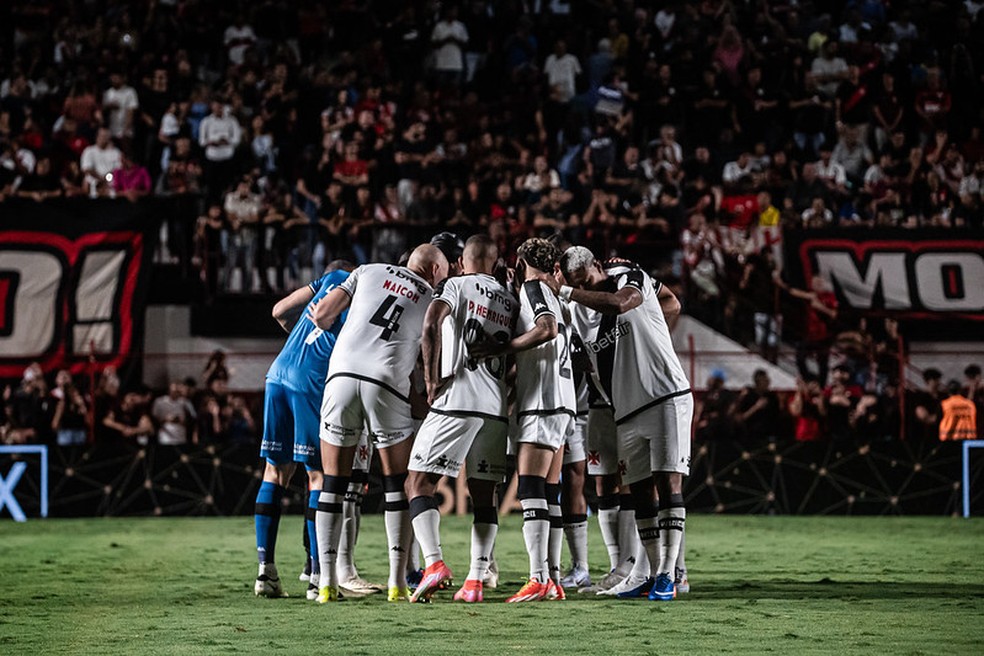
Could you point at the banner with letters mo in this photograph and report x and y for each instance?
(74, 275)
(911, 274)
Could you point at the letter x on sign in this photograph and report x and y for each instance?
(9, 482)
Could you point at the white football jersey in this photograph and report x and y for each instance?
(544, 380)
(634, 355)
(380, 340)
(480, 307)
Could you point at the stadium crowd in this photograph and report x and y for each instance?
(686, 136)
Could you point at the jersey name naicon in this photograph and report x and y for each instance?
(402, 290)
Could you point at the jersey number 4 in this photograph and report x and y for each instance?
(387, 317)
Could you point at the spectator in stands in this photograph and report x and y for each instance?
(119, 104)
(808, 409)
(219, 134)
(240, 427)
(131, 180)
(958, 415)
(42, 184)
(24, 407)
(214, 411)
(449, 38)
(243, 210)
(175, 417)
(756, 411)
(841, 397)
(758, 290)
(974, 390)
(98, 162)
(70, 418)
(712, 419)
(926, 408)
(129, 421)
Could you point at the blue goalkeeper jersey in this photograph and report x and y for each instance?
(302, 364)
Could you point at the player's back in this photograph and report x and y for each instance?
(381, 337)
(302, 364)
(636, 359)
(544, 381)
(480, 307)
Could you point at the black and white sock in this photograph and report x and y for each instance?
(536, 524)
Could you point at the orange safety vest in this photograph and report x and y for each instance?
(959, 419)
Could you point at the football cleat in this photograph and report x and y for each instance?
(268, 582)
(577, 577)
(471, 592)
(610, 580)
(358, 586)
(436, 576)
(397, 593)
(554, 592)
(532, 591)
(680, 581)
(630, 582)
(491, 578)
(312, 589)
(328, 593)
(638, 592)
(414, 578)
(663, 589)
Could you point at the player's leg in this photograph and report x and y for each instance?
(670, 461)
(315, 481)
(276, 447)
(396, 515)
(532, 466)
(634, 450)
(486, 467)
(342, 423)
(555, 542)
(349, 579)
(574, 508)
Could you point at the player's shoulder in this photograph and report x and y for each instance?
(539, 297)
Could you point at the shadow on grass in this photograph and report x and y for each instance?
(826, 588)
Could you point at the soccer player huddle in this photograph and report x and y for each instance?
(564, 362)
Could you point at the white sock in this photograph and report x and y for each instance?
(628, 540)
(427, 530)
(671, 523)
(681, 562)
(648, 529)
(413, 554)
(345, 565)
(576, 532)
(555, 547)
(536, 534)
(482, 542)
(328, 526)
(397, 519)
(608, 523)
(640, 562)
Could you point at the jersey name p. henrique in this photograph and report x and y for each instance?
(302, 363)
(381, 337)
(480, 307)
(636, 362)
(544, 380)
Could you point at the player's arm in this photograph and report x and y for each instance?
(544, 329)
(288, 309)
(620, 302)
(430, 346)
(324, 313)
(670, 305)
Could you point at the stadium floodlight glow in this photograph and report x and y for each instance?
(9, 482)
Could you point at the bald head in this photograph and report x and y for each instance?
(428, 262)
(480, 255)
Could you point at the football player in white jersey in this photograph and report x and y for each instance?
(651, 396)
(545, 403)
(368, 388)
(468, 418)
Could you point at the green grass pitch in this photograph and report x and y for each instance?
(781, 585)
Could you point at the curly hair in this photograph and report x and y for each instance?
(539, 253)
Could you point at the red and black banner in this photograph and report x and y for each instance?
(73, 282)
(911, 274)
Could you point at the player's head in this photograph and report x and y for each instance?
(428, 262)
(335, 265)
(480, 255)
(579, 266)
(452, 247)
(539, 254)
